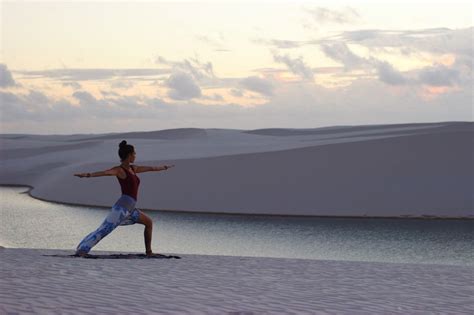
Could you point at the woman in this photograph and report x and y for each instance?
(123, 211)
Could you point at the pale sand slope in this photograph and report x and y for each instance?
(381, 170)
(196, 284)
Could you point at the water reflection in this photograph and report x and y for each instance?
(32, 223)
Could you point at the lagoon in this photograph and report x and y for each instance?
(31, 223)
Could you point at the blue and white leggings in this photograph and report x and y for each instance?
(123, 212)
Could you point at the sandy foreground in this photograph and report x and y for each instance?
(402, 170)
(31, 281)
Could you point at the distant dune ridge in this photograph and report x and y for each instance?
(172, 134)
(419, 170)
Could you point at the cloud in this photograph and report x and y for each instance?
(92, 74)
(295, 65)
(72, 84)
(182, 86)
(201, 73)
(108, 108)
(340, 52)
(237, 92)
(109, 93)
(303, 105)
(35, 106)
(433, 40)
(388, 74)
(84, 97)
(259, 85)
(368, 99)
(122, 84)
(439, 76)
(6, 78)
(285, 43)
(456, 43)
(193, 66)
(213, 97)
(12, 107)
(438, 41)
(361, 35)
(279, 43)
(325, 16)
(38, 98)
(216, 40)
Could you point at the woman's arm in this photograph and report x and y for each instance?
(142, 169)
(109, 172)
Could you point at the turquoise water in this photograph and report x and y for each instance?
(31, 223)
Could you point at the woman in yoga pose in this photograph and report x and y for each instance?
(123, 212)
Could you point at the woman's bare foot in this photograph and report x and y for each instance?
(81, 254)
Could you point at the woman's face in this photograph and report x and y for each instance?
(132, 157)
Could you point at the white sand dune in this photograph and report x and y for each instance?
(42, 148)
(31, 282)
(170, 134)
(181, 133)
(418, 170)
(281, 132)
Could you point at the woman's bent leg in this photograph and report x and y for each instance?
(113, 219)
(146, 220)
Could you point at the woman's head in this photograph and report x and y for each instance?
(126, 151)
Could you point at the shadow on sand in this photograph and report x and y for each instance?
(120, 256)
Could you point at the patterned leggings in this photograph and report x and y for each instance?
(123, 212)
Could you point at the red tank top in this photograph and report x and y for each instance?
(130, 184)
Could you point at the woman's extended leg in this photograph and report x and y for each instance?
(113, 219)
(146, 220)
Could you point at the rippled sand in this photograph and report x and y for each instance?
(30, 281)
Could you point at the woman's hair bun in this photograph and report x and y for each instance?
(125, 149)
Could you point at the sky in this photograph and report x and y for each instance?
(69, 67)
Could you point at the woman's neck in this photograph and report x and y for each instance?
(125, 164)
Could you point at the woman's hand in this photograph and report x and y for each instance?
(168, 166)
(83, 175)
